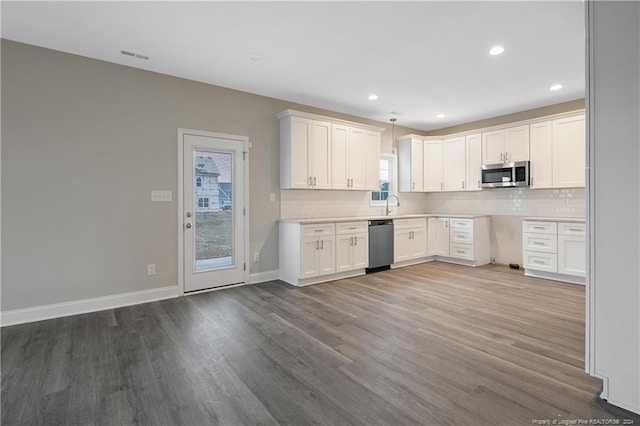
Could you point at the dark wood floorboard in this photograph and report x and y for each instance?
(433, 344)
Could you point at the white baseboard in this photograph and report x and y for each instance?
(260, 277)
(39, 313)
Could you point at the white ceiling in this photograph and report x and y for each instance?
(420, 58)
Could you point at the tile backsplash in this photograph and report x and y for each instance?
(308, 204)
(569, 202)
(311, 204)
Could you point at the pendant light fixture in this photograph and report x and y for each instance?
(393, 134)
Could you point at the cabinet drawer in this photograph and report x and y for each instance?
(352, 227)
(545, 243)
(318, 230)
(568, 228)
(464, 236)
(539, 227)
(461, 251)
(409, 223)
(461, 223)
(547, 262)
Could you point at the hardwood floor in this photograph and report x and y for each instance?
(428, 344)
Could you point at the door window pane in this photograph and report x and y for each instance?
(214, 225)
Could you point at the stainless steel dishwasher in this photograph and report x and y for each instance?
(380, 244)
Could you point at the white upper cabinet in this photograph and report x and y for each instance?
(517, 143)
(305, 153)
(433, 170)
(506, 145)
(569, 149)
(323, 153)
(474, 162)
(541, 152)
(455, 164)
(410, 164)
(347, 157)
(372, 159)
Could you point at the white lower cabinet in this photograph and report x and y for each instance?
(409, 239)
(555, 250)
(352, 246)
(459, 240)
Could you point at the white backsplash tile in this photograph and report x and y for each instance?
(509, 202)
(309, 204)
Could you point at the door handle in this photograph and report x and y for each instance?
(188, 226)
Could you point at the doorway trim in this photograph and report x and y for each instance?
(180, 198)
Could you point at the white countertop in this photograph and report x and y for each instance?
(556, 219)
(365, 218)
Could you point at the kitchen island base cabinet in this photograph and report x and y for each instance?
(312, 254)
(555, 250)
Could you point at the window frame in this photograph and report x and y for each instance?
(393, 181)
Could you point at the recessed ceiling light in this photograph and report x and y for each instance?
(373, 97)
(440, 115)
(255, 57)
(496, 50)
(555, 87)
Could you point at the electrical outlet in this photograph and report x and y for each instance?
(256, 257)
(151, 269)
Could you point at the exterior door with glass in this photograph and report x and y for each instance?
(213, 210)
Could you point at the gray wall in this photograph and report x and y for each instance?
(614, 141)
(84, 143)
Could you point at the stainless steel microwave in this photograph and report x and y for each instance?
(505, 175)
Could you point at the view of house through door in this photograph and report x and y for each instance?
(212, 210)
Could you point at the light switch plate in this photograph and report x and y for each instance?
(161, 196)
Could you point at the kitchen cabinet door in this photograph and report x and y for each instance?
(474, 162)
(417, 158)
(493, 147)
(541, 153)
(572, 255)
(569, 147)
(320, 154)
(401, 245)
(339, 156)
(300, 139)
(432, 169)
(327, 256)
(357, 157)
(360, 252)
(372, 155)
(432, 241)
(517, 144)
(419, 243)
(442, 236)
(309, 257)
(344, 253)
(454, 164)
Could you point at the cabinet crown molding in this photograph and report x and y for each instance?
(290, 112)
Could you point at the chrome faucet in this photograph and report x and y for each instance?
(397, 204)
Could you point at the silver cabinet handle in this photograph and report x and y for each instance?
(321, 244)
(310, 181)
(413, 185)
(462, 184)
(446, 223)
(502, 157)
(539, 262)
(538, 227)
(317, 245)
(356, 240)
(576, 229)
(478, 183)
(531, 181)
(314, 181)
(441, 185)
(538, 243)
(188, 226)
(506, 156)
(350, 241)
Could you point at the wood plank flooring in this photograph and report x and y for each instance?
(428, 344)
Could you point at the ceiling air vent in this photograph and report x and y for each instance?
(134, 55)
